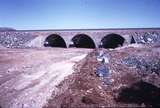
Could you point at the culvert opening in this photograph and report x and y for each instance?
(112, 41)
(82, 41)
(55, 40)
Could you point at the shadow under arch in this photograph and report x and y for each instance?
(55, 40)
(132, 40)
(112, 41)
(82, 41)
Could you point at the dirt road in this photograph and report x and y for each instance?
(28, 77)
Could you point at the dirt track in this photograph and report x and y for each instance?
(28, 77)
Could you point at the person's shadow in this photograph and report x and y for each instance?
(141, 92)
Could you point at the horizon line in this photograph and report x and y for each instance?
(81, 29)
(84, 29)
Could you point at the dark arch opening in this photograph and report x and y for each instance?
(132, 40)
(82, 41)
(54, 40)
(112, 41)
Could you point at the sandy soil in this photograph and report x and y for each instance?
(28, 77)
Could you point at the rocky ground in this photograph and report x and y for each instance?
(124, 77)
(74, 78)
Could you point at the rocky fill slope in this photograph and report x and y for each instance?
(124, 77)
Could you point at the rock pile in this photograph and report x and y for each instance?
(144, 64)
(147, 37)
(15, 39)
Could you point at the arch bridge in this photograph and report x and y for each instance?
(90, 38)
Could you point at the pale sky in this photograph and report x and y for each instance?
(79, 14)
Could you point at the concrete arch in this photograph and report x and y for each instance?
(82, 41)
(55, 40)
(112, 41)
